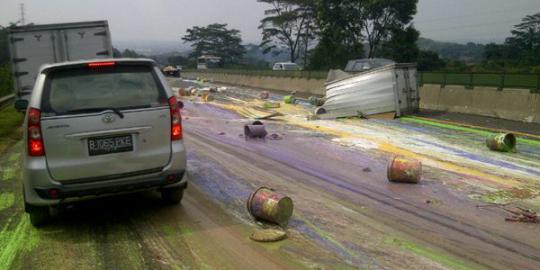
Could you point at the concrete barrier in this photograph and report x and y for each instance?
(511, 104)
(301, 85)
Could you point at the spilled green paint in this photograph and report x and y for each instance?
(7, 174)
(506, 196)
(176, 230)
(14, 157)
(464, 129)
(20, 238)
(6, 200)
(328, 237)
(443, 259)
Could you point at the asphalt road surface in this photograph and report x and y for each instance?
(347, 215)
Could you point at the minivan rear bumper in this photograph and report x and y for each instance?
(37, 181)
(104, 188)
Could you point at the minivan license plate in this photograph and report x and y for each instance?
(109, 145)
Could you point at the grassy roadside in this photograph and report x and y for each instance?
(10, 127)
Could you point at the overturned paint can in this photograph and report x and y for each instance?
(271, 105)
(502, 142)
(290, 99)
(206, 97)
(404, 170)
(255, 130)
(316, 101)
(264, 95)
(266, 204)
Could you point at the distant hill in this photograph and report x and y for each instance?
(469, 53)
(151, 47)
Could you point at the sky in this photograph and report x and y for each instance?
(460, 21)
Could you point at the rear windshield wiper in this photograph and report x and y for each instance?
(115, 110)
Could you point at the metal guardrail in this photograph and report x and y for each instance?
(6, 100)
(470, 80)
(305, 74)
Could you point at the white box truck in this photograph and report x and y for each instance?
(34, 45)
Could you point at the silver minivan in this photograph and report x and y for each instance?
(96, 128)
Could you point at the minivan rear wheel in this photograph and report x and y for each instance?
(39, 216)
(172, 195)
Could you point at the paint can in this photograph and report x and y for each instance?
(206, 97)
(315, 101)
(290, 99)
(404, 170)
(271, 105)
(264, 95)
(255, 130)
(502, 142)
(266, 204)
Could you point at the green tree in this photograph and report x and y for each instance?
(382, 19)
(401, 47)
(429, 60)
(4, 52)
(340, 34)
(346, 25)
(215, 39)
(288, 25)
(526, 38)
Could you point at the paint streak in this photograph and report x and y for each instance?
(431, 254)
(22, 238)
(8, 174)
(6, 200)
(466, 129)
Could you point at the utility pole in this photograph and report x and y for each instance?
(23, 20)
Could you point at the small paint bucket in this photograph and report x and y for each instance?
(255, 130)
(289, 99)
(502, 142)
(264, 95)
(404, 170)
(315, 101)
(266, 204)
(271, 105)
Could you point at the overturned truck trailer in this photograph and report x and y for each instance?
(389, 89)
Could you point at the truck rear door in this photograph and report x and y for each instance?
(30, 50)
(87, 43)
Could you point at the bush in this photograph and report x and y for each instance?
(535, 69)
(6, 84)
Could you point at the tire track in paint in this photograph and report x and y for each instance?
(510, 245)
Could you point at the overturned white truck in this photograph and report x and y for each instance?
(370, 87)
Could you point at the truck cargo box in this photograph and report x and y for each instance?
(34, 45)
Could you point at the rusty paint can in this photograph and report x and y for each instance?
(502, 142)
(404, 170)
(289, 99)
(266, 204)
(255, 130)
(264, 95)
(316, 101)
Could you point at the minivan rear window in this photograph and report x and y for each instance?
(121, 87)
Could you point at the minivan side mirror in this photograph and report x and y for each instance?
(21, 104)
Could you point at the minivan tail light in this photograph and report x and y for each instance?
(176, 119)
(101, 64)
(35, 140)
